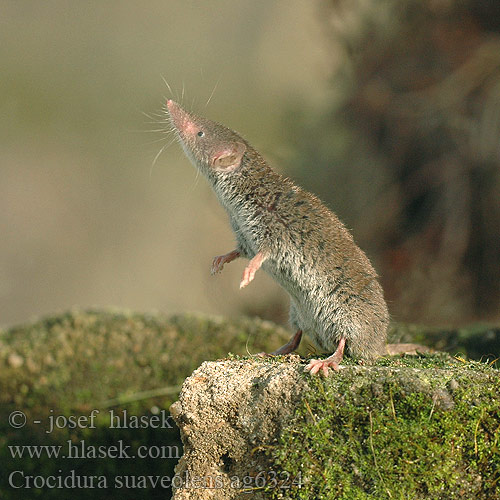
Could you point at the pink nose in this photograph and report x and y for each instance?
(181, 119)
(177, 114)
(172, 106)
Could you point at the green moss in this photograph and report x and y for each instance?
(433, 418)
(78, 361)
(82, 358)
(432, 431)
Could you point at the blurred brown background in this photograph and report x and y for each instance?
(388, 110)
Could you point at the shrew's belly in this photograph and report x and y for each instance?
(315, 311)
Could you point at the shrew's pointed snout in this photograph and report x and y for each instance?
(181, 119)
(176, 112)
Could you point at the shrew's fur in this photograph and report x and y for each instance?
(333, 288)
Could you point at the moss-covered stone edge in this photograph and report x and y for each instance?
(71, 363)
(427, 432)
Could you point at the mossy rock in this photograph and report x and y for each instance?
(70, 364)
(416, 427)
(407, 427)
(479, 341)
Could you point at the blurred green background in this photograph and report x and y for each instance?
(388, 110)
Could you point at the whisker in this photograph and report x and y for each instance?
(213, 92)
(147, 115)
(168, 86)
(157, 130)
(196, 178)
(156, 141)
(153, 163)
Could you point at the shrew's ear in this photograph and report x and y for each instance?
(229, 158)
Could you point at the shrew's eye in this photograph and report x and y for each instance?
(201, 133)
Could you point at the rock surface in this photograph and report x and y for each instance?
(263, 429)
(228, 413)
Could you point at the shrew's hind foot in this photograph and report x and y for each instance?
(315, 365)
(289, 347)
(322, 365)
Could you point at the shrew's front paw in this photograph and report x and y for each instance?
(220, 260)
